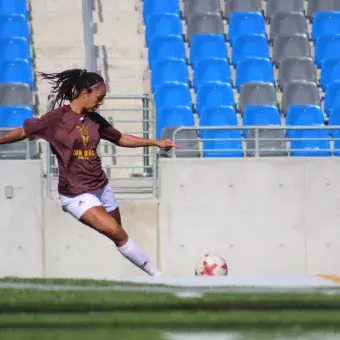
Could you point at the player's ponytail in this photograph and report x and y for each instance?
(68, 84)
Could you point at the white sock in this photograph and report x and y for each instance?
(133, 253)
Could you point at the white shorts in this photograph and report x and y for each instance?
(76, 206)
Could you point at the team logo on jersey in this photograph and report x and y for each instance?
(84, 134)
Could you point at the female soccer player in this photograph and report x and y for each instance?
(74, 132)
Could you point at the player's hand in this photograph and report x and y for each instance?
(167, 144)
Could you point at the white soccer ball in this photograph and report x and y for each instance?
(211, 265)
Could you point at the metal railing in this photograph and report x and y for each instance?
(90, 48)
(130, 171)
(252, 142)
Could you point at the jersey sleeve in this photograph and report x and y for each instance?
(43, 127)
(107, 131)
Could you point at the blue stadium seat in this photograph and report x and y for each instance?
(14, 26)
(305, 115)
(330, 72)
(14, 48)
(326, 47)
(250, 70)
(16, 71)
(171, 46)
(13, 7)
(159, 7)
(205, 46)
(325, 23)
(169, 70)
(260, 115)
(14, 116)
(162, 25)
(245, 23)
(214, 95)
(220, 116)
(332, 97)
(334, 120)
(211, 70)
(170, 95)
(250, 46)
(177, 116)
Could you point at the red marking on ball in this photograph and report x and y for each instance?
(208, 269)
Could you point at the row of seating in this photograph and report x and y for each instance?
(13, 7)
(270, 141)
(193, 7)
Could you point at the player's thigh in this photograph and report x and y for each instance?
(108, 199)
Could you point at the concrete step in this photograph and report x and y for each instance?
(52, 5)
(58, 52)
(129, 69)
(119, 6)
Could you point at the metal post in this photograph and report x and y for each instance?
(90, 49)
(257, 142)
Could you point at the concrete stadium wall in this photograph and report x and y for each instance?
(264, 216)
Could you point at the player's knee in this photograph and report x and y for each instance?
(118, 235)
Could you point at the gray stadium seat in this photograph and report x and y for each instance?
(191, 144)
(271, 143)
(192, 7)
(242, 6)
(300, 93)
(322, 6)
(286, 24)
(17, 150)
(294, 46)
(297, 69)
(257, 94)
(204, 23)
(275, 6)
(15, 94)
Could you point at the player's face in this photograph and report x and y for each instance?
(95, 98)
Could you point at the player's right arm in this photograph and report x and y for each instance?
(15, 135)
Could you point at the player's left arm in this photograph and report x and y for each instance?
(130, 141)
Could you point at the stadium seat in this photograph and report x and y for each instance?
(334, 121)
(242, 6)
(192, 7)
(159, 7)
(175, 116)
(260, 115)
(327, 46)
(205, 46)
(257, 94)
(254, 70)
(296, 69)
(332, 97)
(325, 23)
(287, 24)
(204, 23)
(330, 72)
(14, 116)
(250, 46)
(211, 70)
(14, 48)
(220, 116)
(16, 71)
(14, 26)
(214, 95)
(169, 70)
(162, 25)
(12, 94)
(13, 7)
(187, 140)
(313, 147)
(275, 6)
(266, 142)
(315, 6)
(300, 93)
(170, 95)
(245, 23)
(171, 46)
(293, 46)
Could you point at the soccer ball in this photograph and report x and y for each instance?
(211, 265)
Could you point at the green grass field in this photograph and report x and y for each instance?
(33, 314)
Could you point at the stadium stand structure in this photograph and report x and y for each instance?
(250, 62)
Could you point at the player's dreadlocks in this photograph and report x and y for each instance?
(68, 84)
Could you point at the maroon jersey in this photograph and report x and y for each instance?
(74, 140)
